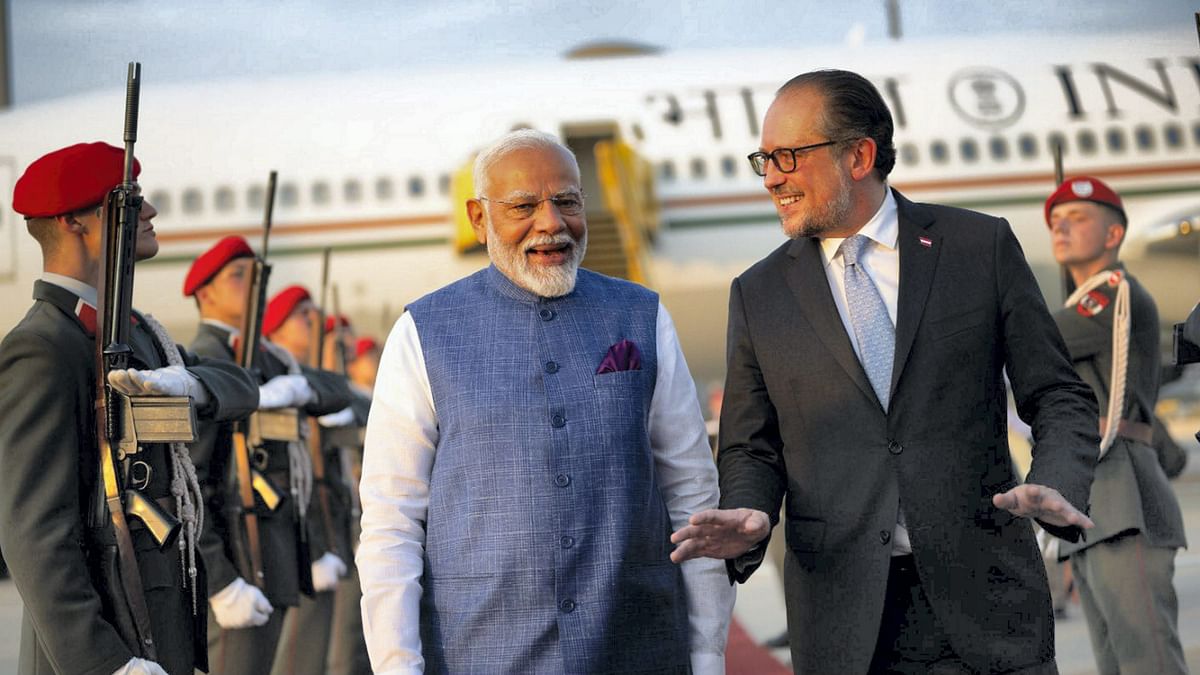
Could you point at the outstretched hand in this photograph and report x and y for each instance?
(720, 534)
(1043, 503)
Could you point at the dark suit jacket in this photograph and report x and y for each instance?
(800, 419)
(48, 472)
(279, 531)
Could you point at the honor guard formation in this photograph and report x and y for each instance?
(520, 479)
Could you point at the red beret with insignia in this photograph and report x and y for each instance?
(364, 345)
(330, 325)
(70, 179)
(281, 306)
(1084, 189)
(211, 261)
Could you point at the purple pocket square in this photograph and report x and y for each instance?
(621, 357)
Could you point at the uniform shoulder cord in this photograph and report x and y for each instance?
(1120, 348)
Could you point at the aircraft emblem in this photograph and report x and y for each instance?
(988, 98)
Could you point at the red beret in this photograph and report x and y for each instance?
(211, 261)
(1084, 189)
(329, 322)
(364, 345)
(281, 306)
(70, 179)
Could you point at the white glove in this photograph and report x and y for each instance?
(341, 418)
(285, 391)
(326, 571)
(169, 381)
(140, 667)
(240, 605)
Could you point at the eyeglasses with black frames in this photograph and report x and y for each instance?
(784, 158)
(567, 203)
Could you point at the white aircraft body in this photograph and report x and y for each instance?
(365, 160)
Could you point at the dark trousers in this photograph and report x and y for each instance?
(911, 640)
(243, 651)
(304, 645)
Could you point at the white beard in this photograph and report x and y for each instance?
(547, 281)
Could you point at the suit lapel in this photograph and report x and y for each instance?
(919, 249)
(807, 280)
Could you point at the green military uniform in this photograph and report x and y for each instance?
(304, 647)
(285, 565)
(348, 647)
(48, 475)
(1124, 568)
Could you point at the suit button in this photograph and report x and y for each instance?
(884, 536)
(558, 421)
(551, 367)
(895, 448)
(567, 542)
(567, 606)
(562, 480)
(546, 313)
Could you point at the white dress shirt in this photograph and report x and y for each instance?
(401, 439)
(86, 292)
(881, 262)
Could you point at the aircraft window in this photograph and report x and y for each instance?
(938, 151)
(698, 168)
(288, 195)
(1173, 135)
(193, 201)
(666, 171)
(416, 186)
(728, 167)
(223, 200)
(384, 190)
(969, 149)
(256, 196)
(1028, 145)
(444, 184)
(998, 147)
(1056, 140)
(1144, 138)
(320, 192)
(1115, 139)
(1086, 140)
(1196, 133)
(908, 154)
(352, 191)
(161, 199)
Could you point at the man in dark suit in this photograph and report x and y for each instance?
(49, 461)
(245, 620)
(865, 384)
(1124, 570)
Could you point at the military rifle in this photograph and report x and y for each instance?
(315, 433)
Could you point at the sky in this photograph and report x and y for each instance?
(62, 47)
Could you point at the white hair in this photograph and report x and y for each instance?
(521, 139)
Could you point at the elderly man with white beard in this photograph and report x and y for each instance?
(535, 436)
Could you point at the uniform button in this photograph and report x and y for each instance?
(895, 448)
(551, 367)
(567, 542)
(567, 605)
(884, 536)
(546, 313)
(558, 421)
(562, 480)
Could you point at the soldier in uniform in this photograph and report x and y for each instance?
(49, 462)
(1124, 568)
(290, 327)
(245, 622)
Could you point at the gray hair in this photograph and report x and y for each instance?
(521, 139)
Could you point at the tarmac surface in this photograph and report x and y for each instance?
(759, 614)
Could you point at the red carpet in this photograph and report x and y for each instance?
(745, 657)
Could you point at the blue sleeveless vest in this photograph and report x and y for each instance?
(547, 539)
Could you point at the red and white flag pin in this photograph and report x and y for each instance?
(925, 241)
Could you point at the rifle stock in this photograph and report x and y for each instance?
(315, 433)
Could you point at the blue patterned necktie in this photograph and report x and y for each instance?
(869, 316)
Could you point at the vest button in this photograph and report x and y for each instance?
(551, 367)
(562, 480)
(884, 536)
(567, 542)
(546, 313)
(567, 605)
(895, 448)
(558, 421)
